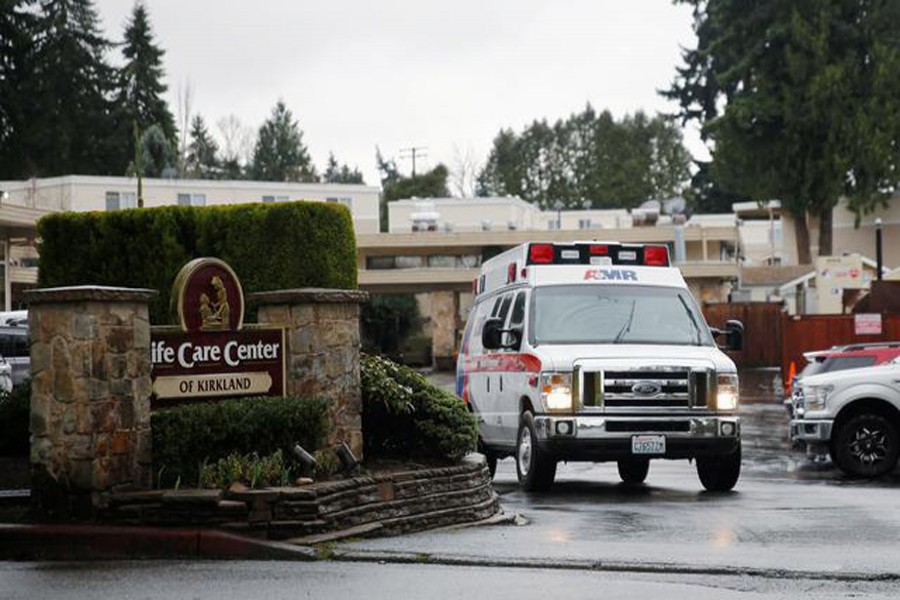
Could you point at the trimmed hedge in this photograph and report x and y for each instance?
(406, 417)
(270, 247)
(187, 437)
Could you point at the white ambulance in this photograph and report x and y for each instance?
(597, 351)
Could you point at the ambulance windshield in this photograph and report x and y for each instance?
(592, 314)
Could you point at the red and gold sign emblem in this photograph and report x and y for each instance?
(207, 296)
(211, 356)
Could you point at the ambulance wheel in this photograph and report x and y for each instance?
(634, 470)
(535, 468)
(720, 473)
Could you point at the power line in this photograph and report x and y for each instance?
(412, 153)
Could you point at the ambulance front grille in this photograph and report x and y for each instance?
(644, 389)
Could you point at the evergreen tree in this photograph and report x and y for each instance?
(69, 85)
(588, 159)
(335, 173)
(202, 160)
(155, 154)
(141, 88)
(279, 154)
(798, 101)
(17, 24)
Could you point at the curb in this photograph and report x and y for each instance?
(401, 557)
(88, 542)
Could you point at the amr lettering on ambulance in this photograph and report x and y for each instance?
(597, 351)
(210, 355)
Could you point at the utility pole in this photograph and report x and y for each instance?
(412, 153)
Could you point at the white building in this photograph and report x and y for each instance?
(86, 193)
(496, 213)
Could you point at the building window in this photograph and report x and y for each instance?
(442, 261)
(191, 199)
(120, 200)
(584, 223)
(275, 198)
(346, 201)
(552, 224)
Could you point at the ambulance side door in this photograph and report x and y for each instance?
(483, 382)
(514, 380)
(498, 377)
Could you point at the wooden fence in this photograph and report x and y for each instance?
(803, 333)
(762, 330)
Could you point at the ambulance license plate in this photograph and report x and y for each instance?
(648, 444)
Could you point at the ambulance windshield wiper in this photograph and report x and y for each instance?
(627, 327)
(690, 315)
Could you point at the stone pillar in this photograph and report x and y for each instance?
(444, 311)
(322, 351)
(90, 398)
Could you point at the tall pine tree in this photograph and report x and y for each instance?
(202, 161)
(17, 24)
(69, 85)
(141, 89)
(280, 154)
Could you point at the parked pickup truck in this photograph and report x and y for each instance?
(854, 415)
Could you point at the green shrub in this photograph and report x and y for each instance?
(406, 417)
(187, 437)
(270, 247)
(251, 470)
(15, 413)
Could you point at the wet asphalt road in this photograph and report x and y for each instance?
(791, 528)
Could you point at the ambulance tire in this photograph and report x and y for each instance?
(535, 468)
(634, 470)
(720, 473)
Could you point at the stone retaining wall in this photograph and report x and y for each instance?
(387, 503)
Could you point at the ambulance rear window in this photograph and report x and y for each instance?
(579, 314)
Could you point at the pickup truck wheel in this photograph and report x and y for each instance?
(720, 473)
(534, 467)
(634, 470)
(866, 446)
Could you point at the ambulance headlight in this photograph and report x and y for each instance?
(727, 392)
(556, 391)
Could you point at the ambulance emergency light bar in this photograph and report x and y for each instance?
(597, 253)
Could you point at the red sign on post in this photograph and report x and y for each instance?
(211, 356)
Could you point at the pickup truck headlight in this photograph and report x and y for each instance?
(556, 391)
(727, 392)
(815, 396)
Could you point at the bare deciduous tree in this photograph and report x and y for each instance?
(464, 172)
(185, 101)
(237, 139)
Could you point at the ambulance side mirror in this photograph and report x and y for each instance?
(490, 334)
(734, 335)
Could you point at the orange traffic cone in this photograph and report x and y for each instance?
(792, 372)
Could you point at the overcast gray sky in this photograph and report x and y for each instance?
(402, 73)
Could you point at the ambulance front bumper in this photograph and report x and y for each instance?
(594, 437)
